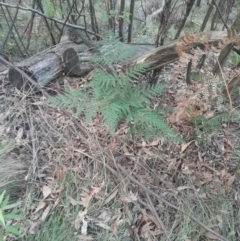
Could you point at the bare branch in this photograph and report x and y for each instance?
(53, 19)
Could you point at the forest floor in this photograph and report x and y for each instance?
(102, 187)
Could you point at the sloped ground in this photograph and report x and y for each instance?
(99, 187)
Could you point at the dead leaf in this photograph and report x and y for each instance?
(183, 188)
(211, 236)
(117, 221)
(207, 177)
(56, 203)
(45, 213)
(185, 146)
(130, 198)
(186, 171)
(46, 191)
(172, 164)
(19, 135)
(105, 226)
(143, 143)
(127, 211)
(113, 195)
(87, 195)
(34, 227)
(145, 228)
(73, 201)
(230, 181)
(40, 206)
(155, 142)
(84, 238)
(80, 219)
(105, 216)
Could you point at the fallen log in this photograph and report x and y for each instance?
(65, 58)
(49, 64)
(73, 59)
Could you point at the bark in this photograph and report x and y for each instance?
(73, 59)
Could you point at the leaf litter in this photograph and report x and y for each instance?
(190, 176)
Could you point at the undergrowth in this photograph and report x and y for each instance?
(113, 93)
(206, 125)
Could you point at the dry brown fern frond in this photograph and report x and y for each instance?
(186, 55)
(183, 42)
(192, 39)
(202, 98)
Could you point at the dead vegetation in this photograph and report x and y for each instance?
(77, 182)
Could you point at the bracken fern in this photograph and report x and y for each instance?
(114, 95)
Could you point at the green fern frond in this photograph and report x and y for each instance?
(216, 120)
(111, 116)
(205, 125)
(137, 70)
(48, 8)
(69, 99)
(113, 50)
(150, 123)
(91, 110)
(115, 96)
(199, 119)
(150, 91)
(103, 79)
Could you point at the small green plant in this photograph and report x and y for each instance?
(205, 125)
(6, 215)
(235, 58)
(114, 94)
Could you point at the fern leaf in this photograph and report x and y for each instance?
(150, 91)
(154, 123)
(91, 110)
(103, 79)
(69, 99)
(220, 117)
(135, 71)
(111, 116)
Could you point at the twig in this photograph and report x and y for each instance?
(157, 216)
(34, 151)
(224, 23)
(9, 31)
(171, 205)
(53, 19)
(228, 127)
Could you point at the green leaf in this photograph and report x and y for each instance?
(1, 197)
(10, 206)
(2, 218)
(48, 8)
(5, 202)
(12, 229)
(13, 216)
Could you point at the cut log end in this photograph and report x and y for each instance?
(71, 63)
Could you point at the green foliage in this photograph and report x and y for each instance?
(205, 125)
(116, 97)
(48, 8)
(235, 58)
(56, 228)
(125, 17)
(5, 215)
